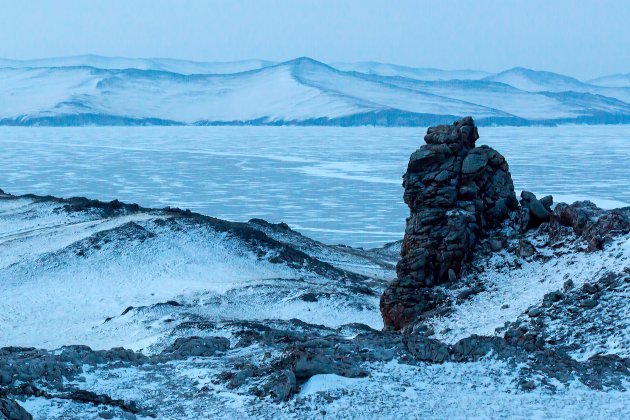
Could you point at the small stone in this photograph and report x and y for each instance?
(496, 245)
(527, 385)
(451, 275)
(589, 303)
(106, 414)
(525, 249)
(465, 293)
(534, 312)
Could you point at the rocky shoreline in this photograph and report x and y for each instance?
(483, 279)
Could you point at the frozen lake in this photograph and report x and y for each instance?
(338, 185)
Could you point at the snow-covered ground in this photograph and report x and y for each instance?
(470, 390)
(69, 277)
(108, 275)
(510, 291)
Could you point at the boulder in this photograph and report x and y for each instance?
(596, 226)
(11, 410)
(194, 346)
(533, 211)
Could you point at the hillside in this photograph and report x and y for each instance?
(93, 90)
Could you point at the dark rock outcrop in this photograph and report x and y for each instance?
(11, 410)
(592, 224)
(534, 212)
(456, 192)
(197, 347)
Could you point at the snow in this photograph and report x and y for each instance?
(53, 262)
(327, 382)
(61, 280)
(386, 69)
(536, 81)
(614, 80)
(485, 389)
(511, 291)
(126, 91)
(121, 63)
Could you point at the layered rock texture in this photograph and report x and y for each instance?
(456, 192)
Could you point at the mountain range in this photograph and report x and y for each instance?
(95, 90)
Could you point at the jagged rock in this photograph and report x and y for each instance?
(456, 192)
(533, 212)
(596, 226)
(525, 248)
(197, 346)
(495, 244)
(547, 202)
(11, 410)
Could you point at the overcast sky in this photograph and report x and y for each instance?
(581, 38)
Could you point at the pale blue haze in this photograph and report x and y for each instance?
(583, 39)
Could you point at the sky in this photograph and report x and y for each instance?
(584, 38)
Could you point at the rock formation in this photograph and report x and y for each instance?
(455, 192)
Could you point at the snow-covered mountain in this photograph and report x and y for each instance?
(115, 91)
(121, 63)
(386, 69)
(614, 80)
(535, 81)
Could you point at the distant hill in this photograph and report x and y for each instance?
(95, 90)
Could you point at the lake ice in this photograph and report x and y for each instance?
(337, 185)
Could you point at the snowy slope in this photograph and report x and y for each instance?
(109, 274)
(298, 92)
(544, 81)
(56, 255)
(614, 80)
(536, 81)
(386, 69)
(121, 63)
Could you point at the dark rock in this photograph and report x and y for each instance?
(106, 414)
(552, 297)
(547, 202)
(527, 385)
(496, 245)
(592, 224)
(534, 312)
(589, 303)
(309, 297)
(533, 212)
(536, 208)
(11, 410)
(456, 192)
(280, 385)
(197, 346)
(525, 248)
(465, 294)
